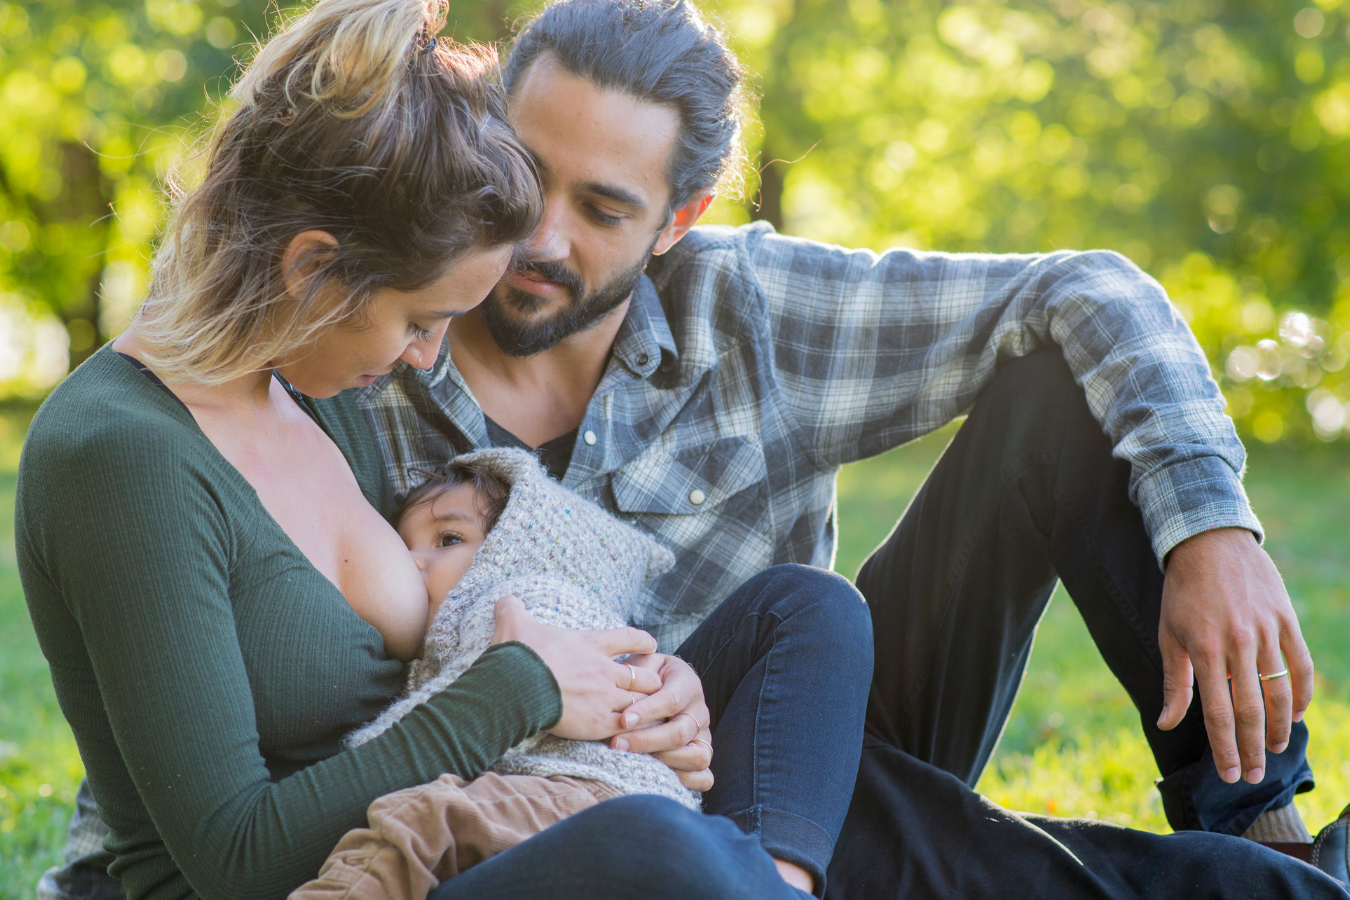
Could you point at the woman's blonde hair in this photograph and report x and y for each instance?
(354, 120)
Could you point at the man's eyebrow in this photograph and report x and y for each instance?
(613, 192)
(617, 194)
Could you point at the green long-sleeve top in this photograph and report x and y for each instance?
(208, 671)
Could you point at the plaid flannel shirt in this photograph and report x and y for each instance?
(751, 366)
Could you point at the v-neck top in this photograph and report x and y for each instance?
(555, 455)
(207, 669)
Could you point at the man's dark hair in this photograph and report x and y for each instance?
(657, 51)
(492, 491)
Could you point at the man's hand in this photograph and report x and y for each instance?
(1225, 613)
(666, 723)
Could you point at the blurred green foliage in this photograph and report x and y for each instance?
(92, 94)
(1204, 139)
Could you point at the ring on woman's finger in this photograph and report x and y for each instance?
(632, 676)
(690, 717)
(1273, 675)
(703, 742)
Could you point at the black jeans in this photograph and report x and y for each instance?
(1027, 492)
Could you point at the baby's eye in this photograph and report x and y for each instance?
(450, 539)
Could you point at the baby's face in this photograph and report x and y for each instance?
(443, 535)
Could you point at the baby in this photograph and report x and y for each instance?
(486, 525)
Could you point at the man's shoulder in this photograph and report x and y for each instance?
(722, 266)
(736, 248)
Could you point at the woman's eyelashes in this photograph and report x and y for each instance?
(420, 333)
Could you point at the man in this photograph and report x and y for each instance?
(708, 384)
(713, 399)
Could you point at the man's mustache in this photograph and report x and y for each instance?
(549, 270)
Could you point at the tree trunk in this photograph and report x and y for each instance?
(84, 204)
(768, 203)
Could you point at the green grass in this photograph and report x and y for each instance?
(1071, 747)
(39, 765)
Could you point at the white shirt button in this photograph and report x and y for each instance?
(697, 497)
(589, 438)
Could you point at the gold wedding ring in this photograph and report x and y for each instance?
(703, 742)
(1279, 674)
(632, 675)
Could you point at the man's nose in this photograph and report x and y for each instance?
(551, 241)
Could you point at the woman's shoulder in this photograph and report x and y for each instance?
(109, 425)
(107, 403)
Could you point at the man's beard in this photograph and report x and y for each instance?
(518, 337)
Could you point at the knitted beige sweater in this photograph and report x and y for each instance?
(573, 565)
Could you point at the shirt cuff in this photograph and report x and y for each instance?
(535, 689)
(1188, 497)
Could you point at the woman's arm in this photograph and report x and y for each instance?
(127, 556)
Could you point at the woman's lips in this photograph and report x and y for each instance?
(367, 380)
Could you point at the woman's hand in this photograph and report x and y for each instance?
(669, 722)
(595, 689)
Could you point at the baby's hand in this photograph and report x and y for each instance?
(672, 723)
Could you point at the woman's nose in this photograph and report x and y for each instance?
(423, 354)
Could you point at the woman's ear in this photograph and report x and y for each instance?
(301, 256)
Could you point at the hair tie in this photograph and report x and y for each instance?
(428, 47)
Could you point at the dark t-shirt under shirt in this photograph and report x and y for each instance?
(554, 455)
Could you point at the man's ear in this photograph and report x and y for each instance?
(685, 217)
(301, 257)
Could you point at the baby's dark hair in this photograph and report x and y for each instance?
(492, 491)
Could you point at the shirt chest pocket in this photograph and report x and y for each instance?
(710, 505)
(693, 480)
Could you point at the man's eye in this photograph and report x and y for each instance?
(450, 539)
(604, 218)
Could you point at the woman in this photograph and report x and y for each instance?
(202, 546)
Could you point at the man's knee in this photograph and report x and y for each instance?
(1041, 379)
(1034, 404)
(679, 847)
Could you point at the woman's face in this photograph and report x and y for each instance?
(406, 325)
